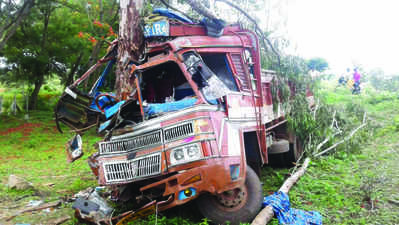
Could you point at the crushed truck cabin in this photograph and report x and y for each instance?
(198, 125)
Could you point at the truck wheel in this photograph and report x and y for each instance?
(235, 206)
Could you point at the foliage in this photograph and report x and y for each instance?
(61, 36)
(382, 82)
(317, 64)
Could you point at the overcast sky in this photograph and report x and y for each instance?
(347, 31)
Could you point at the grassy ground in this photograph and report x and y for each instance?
(34, 150)
(354, 187)
(346, 187)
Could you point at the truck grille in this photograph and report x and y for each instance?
(178, 131)
(125, 145)
(127, 170)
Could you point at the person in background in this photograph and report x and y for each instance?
(356, 81)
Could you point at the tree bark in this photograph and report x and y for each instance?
(69, 78)
(130, 44)
(35, 93)
(267, 213)
(41, 70)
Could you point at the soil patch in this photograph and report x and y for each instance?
(25, 128)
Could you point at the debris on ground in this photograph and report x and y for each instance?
(287, 215)
(34, 208)
(15, 182)
(34, 203)
(83, 193)
(93, 208)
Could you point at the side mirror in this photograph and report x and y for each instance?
(74, 148)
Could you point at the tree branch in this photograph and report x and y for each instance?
(199, 8)
(263, 37)
(345, 139)
(23, 12)
(175, 9)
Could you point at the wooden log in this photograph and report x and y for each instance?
(266, 214)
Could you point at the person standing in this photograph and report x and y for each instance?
(356, 81)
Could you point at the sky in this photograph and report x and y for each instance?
(346, 32)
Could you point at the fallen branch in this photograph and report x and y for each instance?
(326, 140)
(333, 121)
(345, 139)
(267, 213)
(34, 208)
(315, 109)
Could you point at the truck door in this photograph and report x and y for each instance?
(247, 104)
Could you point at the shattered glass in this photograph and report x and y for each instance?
(215, 88)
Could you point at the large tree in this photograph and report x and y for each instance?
(58, 38)
(317, 64)
(12, 13)
(41, 46)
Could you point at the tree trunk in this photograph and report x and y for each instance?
(130, 44)
(69, 78)
(41, 70)
(35, 93)
(12, 27)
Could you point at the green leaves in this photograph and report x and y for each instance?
(317, 64)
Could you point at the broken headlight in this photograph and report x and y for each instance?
(185, 154)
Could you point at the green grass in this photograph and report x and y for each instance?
(340, 186)
(34, 150)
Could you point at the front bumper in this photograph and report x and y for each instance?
(214, 177)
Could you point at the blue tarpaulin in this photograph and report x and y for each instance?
(172, 14)
(155, 108)
(285, 215)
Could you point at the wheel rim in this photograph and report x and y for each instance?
(232, 200)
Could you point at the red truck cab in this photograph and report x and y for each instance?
(198, 126)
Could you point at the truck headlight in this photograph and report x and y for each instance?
(185, 154)
(178, 154)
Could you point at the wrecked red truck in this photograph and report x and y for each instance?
(199, 125)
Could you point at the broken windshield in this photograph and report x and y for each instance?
(208, 83)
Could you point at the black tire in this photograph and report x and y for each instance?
(245, 211)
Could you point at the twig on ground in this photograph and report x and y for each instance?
(35, 208)
(315, 109)
(333, 121)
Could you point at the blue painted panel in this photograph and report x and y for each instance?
(157, 29)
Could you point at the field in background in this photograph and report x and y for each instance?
(350, 186)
